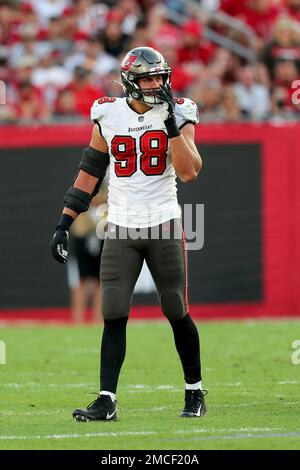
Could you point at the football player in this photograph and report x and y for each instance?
(146, 139)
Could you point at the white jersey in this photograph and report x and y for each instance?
(142, 188)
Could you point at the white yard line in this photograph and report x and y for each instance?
(289, 382)
(76, 436)
(133, 388)
(48, 374)
(243, 433)
(255, 403)
(30, 413)
(154, 409)
(249, 436)
(227, 430)
(33, 385)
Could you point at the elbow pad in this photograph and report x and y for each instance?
(94, 163)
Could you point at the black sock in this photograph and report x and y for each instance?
(188, 347)
(113, 349)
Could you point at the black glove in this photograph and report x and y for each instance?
(166, 95)
(60, 241)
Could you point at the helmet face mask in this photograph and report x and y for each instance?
(143, 62)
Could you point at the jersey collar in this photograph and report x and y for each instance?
(134, 111)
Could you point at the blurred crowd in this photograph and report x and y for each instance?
(58, 56)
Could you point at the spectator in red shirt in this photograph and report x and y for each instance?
(7, 16)
(65, 107)
(292, 8)
(29, 104)
(182, 75)
(258, 14)
(194, 47)
(162, 33)
(85, 93)
(234, 8)
(261, 15)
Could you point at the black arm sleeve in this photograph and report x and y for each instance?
(77, 200)
(94, 163)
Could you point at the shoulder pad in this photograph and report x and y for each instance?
(186, 110)
(100, 106)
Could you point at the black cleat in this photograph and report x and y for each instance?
(101, 409)
(194, 404)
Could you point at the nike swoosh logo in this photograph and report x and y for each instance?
(198, 412)
(109, 416)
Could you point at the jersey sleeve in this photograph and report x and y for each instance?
(186, 111)
(98, 111)
(99, 108)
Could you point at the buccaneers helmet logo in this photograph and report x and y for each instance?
(128, 62)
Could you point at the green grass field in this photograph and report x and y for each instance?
(253, 400)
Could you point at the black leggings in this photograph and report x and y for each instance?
(163, 248)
